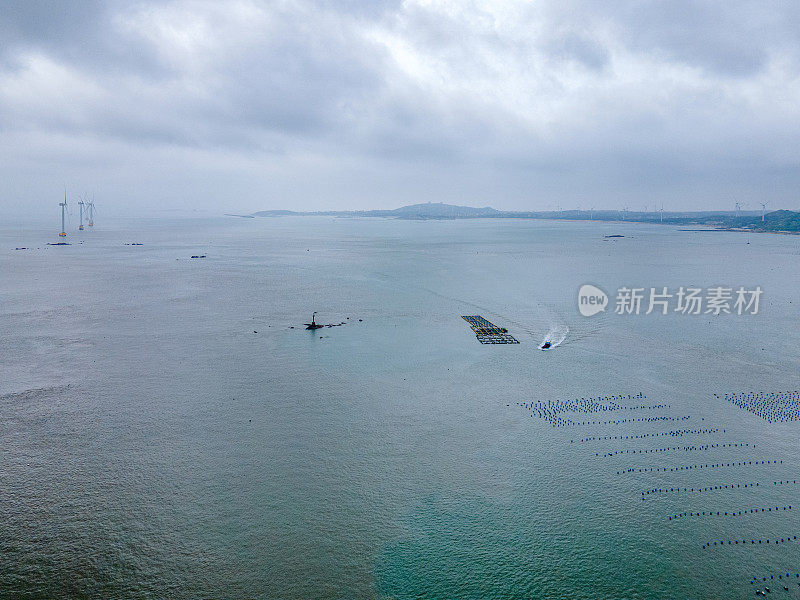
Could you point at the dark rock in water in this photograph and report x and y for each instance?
(314, 325)
(616, 235)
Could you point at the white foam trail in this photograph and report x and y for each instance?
(556, 335)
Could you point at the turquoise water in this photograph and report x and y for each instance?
(153, 445)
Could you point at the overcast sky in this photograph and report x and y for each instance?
(247, 105)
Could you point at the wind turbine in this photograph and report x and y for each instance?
(662, 213)
(63, 206)
(763, 210)
(80, 205)
(90, 206)
(591, 214)
(624, 212)
(738, 209)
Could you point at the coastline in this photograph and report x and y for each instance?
(698, 227)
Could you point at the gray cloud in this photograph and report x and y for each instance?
(735, 39)
(353, 104)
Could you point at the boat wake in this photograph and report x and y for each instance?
(540, 316)
(555, 337)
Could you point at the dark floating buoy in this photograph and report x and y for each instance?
(773, 407)
(550, 411)
(715, 487)
(725, 514)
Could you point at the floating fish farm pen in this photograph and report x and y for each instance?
(487, 332)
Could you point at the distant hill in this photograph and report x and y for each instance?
(427, 210)
(778, 220)
(275, 213)
(439, 210)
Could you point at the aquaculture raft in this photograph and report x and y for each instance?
(487, 332)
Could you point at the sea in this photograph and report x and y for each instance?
(170, 429)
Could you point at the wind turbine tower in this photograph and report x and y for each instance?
(80, 204)
(63, 206)
(662, 213)
(763, 210)
(90, 208)
(738, 210)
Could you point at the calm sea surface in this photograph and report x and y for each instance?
(165, 433)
